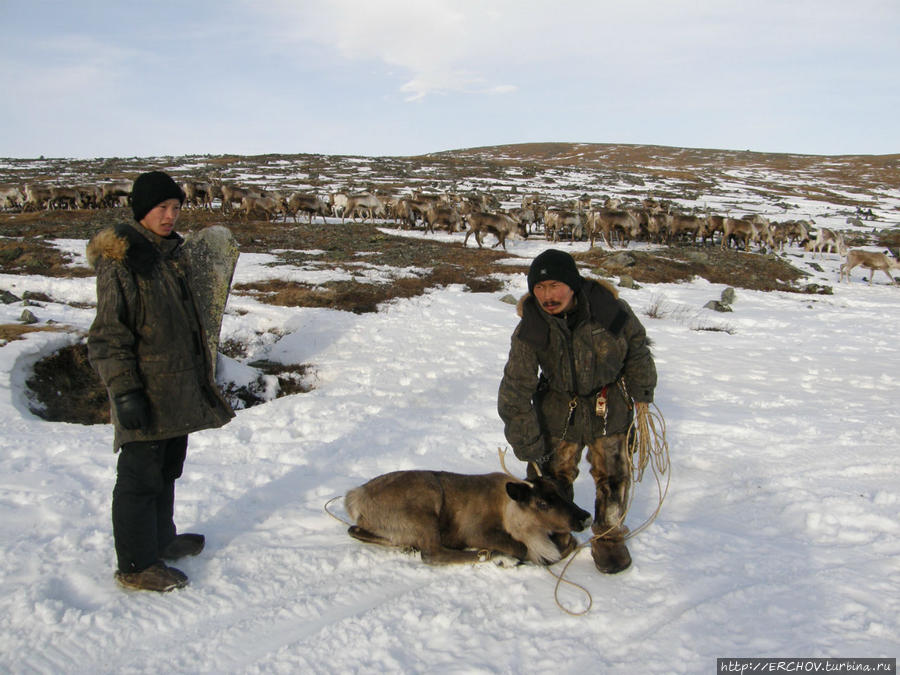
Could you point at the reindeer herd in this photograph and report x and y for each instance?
(479, 214)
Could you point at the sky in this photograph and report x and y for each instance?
(392, 77)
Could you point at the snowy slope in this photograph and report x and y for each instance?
(779, 536)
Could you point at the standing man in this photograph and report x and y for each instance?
(579, 362)
(147, 343)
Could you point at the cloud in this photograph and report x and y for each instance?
(426, 84)
(439, 46)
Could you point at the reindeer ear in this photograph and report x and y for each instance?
(519, 492)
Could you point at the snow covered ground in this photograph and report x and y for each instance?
(780, 535)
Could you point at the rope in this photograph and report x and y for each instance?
(648, 446)
(336, 517)
(560, 579)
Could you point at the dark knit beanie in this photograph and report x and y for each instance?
(554, 265)
(150, 189)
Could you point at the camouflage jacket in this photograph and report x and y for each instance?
(554, 373)
(148, 335)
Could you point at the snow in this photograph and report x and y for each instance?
(779, 536)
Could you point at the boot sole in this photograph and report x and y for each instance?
(136, 587)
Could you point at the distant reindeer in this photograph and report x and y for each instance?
(870, 260)
(831, 240)
(458, 518)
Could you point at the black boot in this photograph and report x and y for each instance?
(183, 545)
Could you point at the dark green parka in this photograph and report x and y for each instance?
(607, 347)
(147, 334)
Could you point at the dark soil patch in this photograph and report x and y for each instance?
(734, 268)
(68, 389)
(36, 256)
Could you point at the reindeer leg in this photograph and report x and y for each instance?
(504, 552)
(451, 556)
(358, 532)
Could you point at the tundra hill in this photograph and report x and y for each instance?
(812, 176)
(880, 169)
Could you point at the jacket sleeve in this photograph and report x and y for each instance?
(111, 338)
(640, 369)
(515, 405)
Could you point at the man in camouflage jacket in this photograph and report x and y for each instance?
(579, 362)
(148, 345)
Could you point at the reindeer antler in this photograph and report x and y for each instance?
(502, 453)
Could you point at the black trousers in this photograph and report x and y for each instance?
(143, 500)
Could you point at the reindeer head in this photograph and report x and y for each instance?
(547, 507)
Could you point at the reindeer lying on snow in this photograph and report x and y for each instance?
(456, 518)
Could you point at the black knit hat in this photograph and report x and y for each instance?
(554, 265)
(150, 189)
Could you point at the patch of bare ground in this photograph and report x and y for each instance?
(733, 268)
(37, 256)
(66, 388)
(359, 297)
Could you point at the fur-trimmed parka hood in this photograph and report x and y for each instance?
(130, 244)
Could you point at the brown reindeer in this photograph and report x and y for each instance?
(498, 224)
(871, 260)
(457, 518)
(310, 204)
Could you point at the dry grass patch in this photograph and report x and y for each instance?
(35, 256)
(360, 298)
(15, 331)
(732, 268)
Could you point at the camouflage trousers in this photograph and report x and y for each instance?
(610, 468)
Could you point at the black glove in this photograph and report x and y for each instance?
(132, 409)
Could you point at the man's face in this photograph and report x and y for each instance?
(554, 297)
(161, 218)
